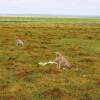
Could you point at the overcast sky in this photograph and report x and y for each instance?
(60, 7)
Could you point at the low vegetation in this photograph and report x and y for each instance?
(21, 78)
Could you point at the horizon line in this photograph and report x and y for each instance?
(49, 15)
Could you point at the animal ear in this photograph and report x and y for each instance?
(58, 53)
(17, 37)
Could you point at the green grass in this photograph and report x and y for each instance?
(20, 76)
(48, 20)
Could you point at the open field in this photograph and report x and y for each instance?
(48, 20)
(22, 79)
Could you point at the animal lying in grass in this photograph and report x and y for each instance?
(45, 63)
(60, 61)
(19, 41)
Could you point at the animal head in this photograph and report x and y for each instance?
(58, 54)
(17, 37)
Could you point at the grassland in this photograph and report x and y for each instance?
(48, 20)
(20, 76)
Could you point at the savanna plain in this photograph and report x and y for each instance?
(22, 78)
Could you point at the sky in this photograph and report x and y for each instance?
(53, 7)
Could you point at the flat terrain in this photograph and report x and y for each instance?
(21, 78)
